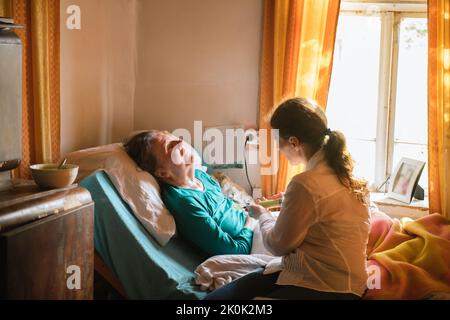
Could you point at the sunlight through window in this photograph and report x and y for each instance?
(378, 91)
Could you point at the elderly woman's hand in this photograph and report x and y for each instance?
(255, 211)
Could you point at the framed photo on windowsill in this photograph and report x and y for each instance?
(404, 180)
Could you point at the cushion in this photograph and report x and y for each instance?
(138, 188)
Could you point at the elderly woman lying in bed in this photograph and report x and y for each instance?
(203, 214)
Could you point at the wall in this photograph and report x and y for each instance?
(198, 60)
(97, 73)
(139, 64)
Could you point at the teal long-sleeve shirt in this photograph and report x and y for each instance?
(208, 218)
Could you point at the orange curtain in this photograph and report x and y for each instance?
(439, 105)
(5, 8)
(297, 58)
(40, 95)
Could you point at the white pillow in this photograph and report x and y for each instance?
(138, 188)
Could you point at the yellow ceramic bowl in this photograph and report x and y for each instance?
(49, 176)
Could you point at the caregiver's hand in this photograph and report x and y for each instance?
(256, 211)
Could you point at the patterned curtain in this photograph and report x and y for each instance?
(41, 110)
(297, 58)
(439, 105)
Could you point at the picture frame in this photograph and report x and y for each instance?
(404, 179)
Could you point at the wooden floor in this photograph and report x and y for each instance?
(106, 284)
(103, 290)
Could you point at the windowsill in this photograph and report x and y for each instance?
(398, 209)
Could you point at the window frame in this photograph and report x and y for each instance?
(391, 15)
(398, 16)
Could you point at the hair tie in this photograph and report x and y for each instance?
(328, 132)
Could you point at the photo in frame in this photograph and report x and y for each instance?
(404, 179)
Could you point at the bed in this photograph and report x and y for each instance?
(146, 270)
(412, 257)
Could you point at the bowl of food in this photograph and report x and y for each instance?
(53, 176)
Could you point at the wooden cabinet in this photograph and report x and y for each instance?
(46, 243)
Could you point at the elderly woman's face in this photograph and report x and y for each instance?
(174, 157)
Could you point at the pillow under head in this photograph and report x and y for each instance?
(138, 188)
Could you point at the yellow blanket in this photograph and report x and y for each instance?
(409, 259)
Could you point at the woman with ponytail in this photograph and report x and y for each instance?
(322, 229)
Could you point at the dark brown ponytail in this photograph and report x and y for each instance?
(342, 163)
(305, 120)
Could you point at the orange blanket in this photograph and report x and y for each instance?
(410, 258)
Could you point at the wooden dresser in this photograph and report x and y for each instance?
(46, 243)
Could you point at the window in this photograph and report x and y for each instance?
(378, 90)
